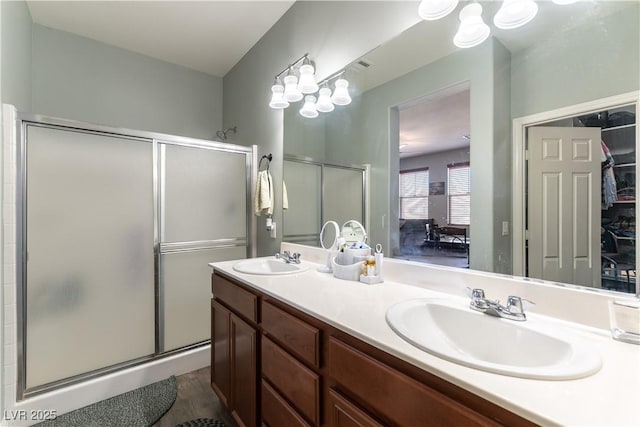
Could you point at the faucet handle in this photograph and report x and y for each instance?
(516, 305)
(475, 293)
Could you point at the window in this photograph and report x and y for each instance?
(414, 194)
(459, 193)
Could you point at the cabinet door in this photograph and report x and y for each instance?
(243, 371)
(343, 413)
(220, 347)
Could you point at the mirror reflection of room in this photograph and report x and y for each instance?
(434, 177)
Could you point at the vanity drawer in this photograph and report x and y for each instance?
(239, 299)
(276, 411)
(343, 413)
(394, 396)
(297, 383)
(294, 334)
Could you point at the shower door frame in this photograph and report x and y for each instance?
(156, 139)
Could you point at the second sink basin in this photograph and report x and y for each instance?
(272, 267)
(532, 349)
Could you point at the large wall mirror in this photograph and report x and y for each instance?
(465, 117)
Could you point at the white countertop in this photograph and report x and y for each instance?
(611, 397)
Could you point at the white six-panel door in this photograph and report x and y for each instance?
(564, 204)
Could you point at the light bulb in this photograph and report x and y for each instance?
(515, 13)
(472, 30)
(291, 92)
(436, 9)
(341, 94)
(307, 83)
(324, 104)
(309, 108)
(277, 97)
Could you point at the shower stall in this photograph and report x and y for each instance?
(115, 230)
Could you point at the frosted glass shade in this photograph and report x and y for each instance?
(324, 104)
(309, 108)
(341, 93)
(436, 9)
(515, 13)
(472, 30)
(307, 83)
(291, 92)
(277, 97)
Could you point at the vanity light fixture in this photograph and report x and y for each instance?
(341, 93)
(436, 9)
(307, 83)
(472, 30)
(291, 91)
(515, 13)
(324, 104)
(277, 95)
(309, 108)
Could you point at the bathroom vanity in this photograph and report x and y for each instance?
(308, 349)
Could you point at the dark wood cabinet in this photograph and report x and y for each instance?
(234, 349)
(220, 347)
(273, 365)
(244, 371)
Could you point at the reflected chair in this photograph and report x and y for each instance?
(617, 267)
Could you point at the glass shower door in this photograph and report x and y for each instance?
(89, 252)
(203, 214)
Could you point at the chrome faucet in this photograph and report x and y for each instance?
(288, 257)
(514, 310)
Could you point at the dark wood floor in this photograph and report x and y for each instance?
(195, 400)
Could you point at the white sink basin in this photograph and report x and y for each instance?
(531, 349)
(268, 267)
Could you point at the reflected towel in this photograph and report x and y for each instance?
(285, 197)
(263, 202)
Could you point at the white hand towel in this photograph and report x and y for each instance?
(285, 197)
(263, 203)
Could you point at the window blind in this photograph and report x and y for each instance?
(459, 194)
(414, 194)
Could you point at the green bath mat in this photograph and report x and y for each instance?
(137, 408)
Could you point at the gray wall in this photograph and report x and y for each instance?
(437, 164)
(585, 63)
(81, 79)
(16, 54)
(334, 34)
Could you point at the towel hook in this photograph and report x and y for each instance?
(268, 157)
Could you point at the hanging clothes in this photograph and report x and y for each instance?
(609, 187)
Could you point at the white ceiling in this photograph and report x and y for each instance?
(207, 36)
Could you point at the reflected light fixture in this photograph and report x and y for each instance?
(307, 83)
(299, 80)
(277, 96)
(341, 93)
(436, 9)
(309, 108)
(515, 13)
(563, 2)
(324, 104)
(472, 30)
